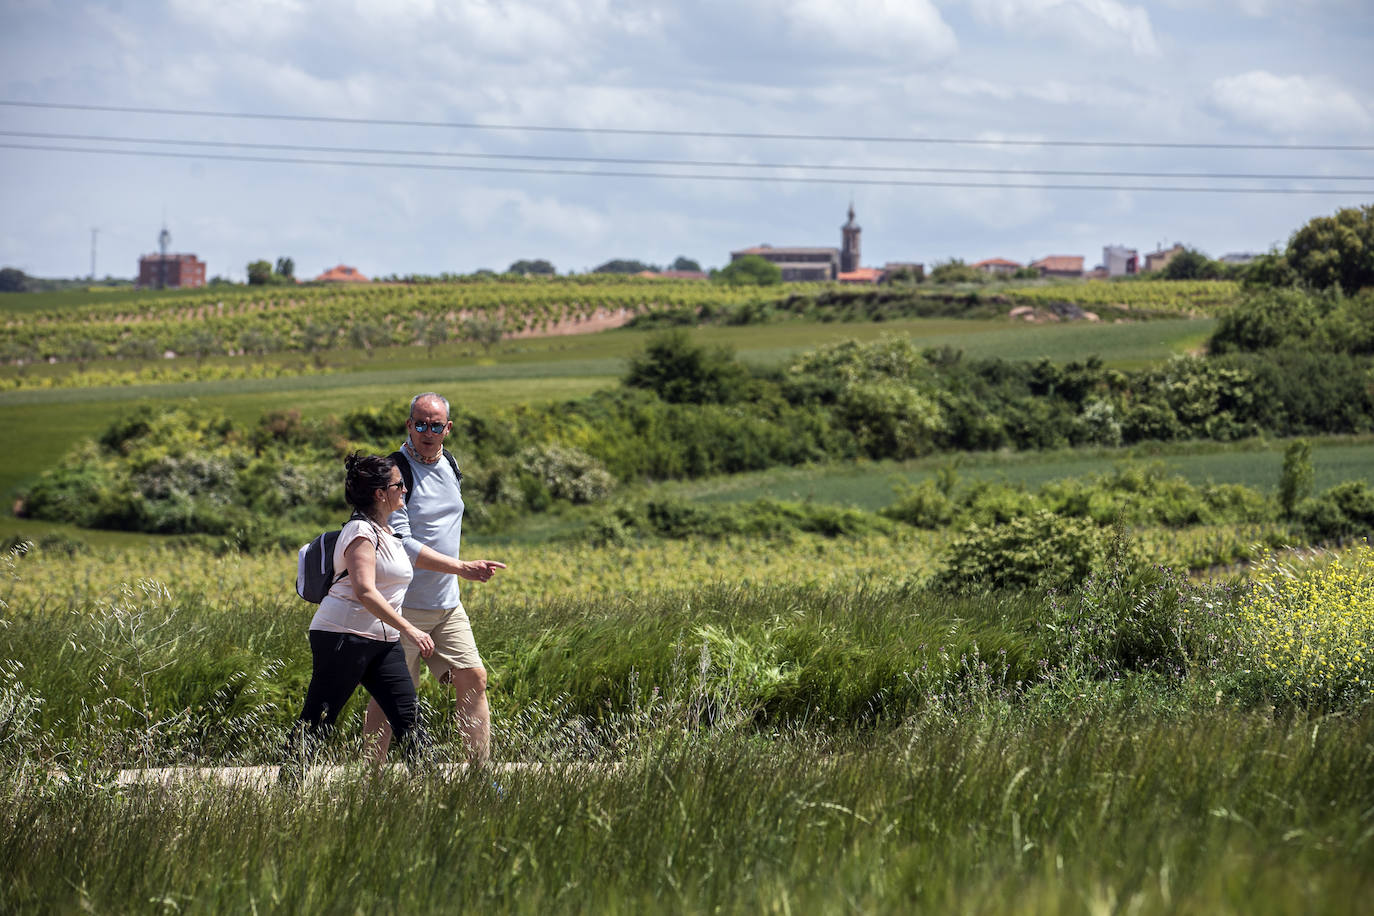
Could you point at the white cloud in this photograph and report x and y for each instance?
(1099, 23)
(1288, 103)
(911, 26)
(1261, 9)
(259, 20)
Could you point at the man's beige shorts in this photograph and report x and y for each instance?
(454, 646)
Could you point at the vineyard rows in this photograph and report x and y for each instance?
(257, 321)
(1181, 297)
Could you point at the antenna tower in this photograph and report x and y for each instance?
(164, 241)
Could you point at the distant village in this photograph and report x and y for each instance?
(843, 264)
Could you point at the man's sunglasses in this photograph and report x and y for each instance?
(429, 427)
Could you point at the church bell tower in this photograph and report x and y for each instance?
(849, 247)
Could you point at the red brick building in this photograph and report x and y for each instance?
(170, 271)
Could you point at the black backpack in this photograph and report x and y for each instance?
(315, 567)
(403, 465)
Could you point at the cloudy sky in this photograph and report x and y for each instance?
(663, 80)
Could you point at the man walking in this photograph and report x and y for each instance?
(432, 516)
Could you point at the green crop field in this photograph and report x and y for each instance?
(38, 424)
(869, 485)
(816, 717)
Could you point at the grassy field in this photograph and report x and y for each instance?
(41, 424)
(692, 744)
(869, 485)
(793, 724)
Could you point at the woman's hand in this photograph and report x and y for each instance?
(422, 639)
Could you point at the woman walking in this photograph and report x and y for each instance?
(355, 635)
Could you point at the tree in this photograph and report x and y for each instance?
(364, 335)
(1191, 264)
(750, 270)
(199, 342)
(903, 276)
(485, 331)
(259, 273)
(956, 271)
(1295, 484)
(81, 351)
(286, 269)
(13, 280)
(138, 348)
(436, 333)
(685, 263)
(622, 266)
(682, 372)
(1336, 250)
(317, 336)
(538, 267)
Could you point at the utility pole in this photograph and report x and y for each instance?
(94, 232)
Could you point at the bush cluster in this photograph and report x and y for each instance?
(1137, 495)
(689, 412)
(1294, 319)
(681, 519)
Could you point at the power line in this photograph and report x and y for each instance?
(597, 173)
(695, 163)
(706, 134)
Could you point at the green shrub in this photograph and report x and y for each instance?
(1295, 484)
(679, 518)
(566, 473)
(1265, 319)
(681, 372)
(1346, 510)
(1041, 550)
(1126, 616)
(923, 505)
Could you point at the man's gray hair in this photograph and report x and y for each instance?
(430, 394)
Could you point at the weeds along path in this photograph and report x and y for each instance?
(266, 777)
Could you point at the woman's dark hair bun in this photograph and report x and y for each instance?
(366, 474)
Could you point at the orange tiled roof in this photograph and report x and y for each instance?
(341, 274)
(995, 262)
(1065, 262)
(861, 275)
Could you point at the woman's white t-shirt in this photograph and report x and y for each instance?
(340, 611)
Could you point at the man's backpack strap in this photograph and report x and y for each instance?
(403, 465)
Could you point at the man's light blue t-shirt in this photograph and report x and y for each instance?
(433, 518)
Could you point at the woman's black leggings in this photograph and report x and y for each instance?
(342, 661)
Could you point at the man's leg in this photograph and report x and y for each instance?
(393, 689)
(376, 733)
(472, 712)
(376, 729)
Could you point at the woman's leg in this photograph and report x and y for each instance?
(388, 680)
(339, 662)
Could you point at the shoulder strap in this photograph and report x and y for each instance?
(402, 463)
(453, 463)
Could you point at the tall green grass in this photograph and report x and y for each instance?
(972, 810)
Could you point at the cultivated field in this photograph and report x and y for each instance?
(783, 698)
